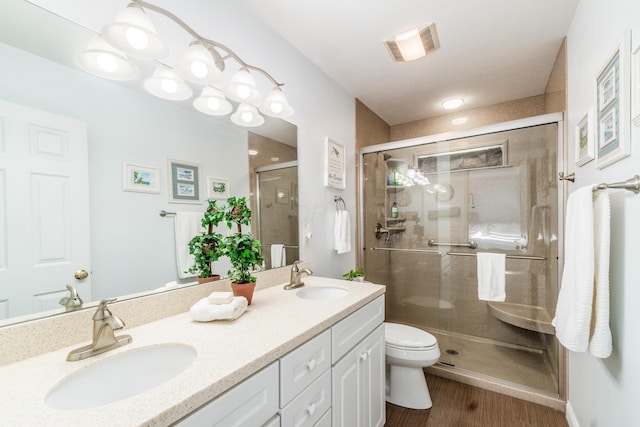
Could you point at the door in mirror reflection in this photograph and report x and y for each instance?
(44, 195)
(277, 213)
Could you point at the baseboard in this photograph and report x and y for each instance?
(571, 416)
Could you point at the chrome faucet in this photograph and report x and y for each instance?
(73, 301)
(104, 339)
(296, 276)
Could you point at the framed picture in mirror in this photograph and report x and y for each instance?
(584, 139)
(217, 188)
(184, 182)
(139, 178)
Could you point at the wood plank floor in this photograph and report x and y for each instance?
(461, 405)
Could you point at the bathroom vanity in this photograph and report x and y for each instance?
(288, 360)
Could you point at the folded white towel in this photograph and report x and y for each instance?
(573, 310)
(278, 256)
(187, 225)
(600, 344)
(491, 279)
(342, 232)
(202, 311)
(220, 297)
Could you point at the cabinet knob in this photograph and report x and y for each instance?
(311, 364)
(364, 356)
(311, 409)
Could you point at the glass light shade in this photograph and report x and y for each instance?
(410, 45)
(104, 60)
(212, 102)
(197, 65)
(276, 105)
(247, 115)
(166, 84)
(242, 88)
(134, 33)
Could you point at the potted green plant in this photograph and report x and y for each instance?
(354, 275)
(242, 249)
(208, 246)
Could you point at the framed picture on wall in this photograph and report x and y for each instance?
(184, 182)
(335, 165)
(139, 178)
(584, 145)
(613, 108)
(217, 188)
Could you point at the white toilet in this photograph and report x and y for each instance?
(407, 351)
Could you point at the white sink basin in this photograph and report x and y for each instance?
(121, 376)
(321, 292)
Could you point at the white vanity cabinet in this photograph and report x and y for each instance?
(253, 402)
(358, 378)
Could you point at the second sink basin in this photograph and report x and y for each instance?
(321, 292)
(121, 376)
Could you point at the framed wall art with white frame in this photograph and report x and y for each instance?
(636, 86)
(613, 107)
(584, 139)
(140, 178)
(335, 174)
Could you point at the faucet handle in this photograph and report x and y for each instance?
(103, 312)
(295, 267)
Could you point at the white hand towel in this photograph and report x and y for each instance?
(278, 255)
(600, 344)
(187, 225)
(202, 311)
(491, 279)
(573, 310)
(342, 232)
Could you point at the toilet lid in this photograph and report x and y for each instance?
(398, 335)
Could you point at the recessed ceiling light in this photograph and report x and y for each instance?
(275, 159)
(459, 120)
(253, 152)
(450, 104)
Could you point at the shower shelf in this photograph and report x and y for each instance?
(525, 316)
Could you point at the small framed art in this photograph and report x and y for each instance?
(584, 145)
(184, 182)
(613, 105)
(335, 165)
(217, 188)
(140, 178)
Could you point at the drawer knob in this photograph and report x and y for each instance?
(311, 409)
(311, 364)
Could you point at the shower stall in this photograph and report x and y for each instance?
(429, 205)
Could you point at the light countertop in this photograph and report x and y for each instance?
(275, 323)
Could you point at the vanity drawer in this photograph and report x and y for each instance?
(253, 402)
(304, 365)
(351, 330)
(310, 406)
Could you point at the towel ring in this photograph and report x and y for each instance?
(338, 199)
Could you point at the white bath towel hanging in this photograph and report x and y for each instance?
(278, 255)
(600, 343)
(187, 225)
(342, 232)
(573, 310)
(491, 276)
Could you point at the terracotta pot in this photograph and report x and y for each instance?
(243, 290)
(209, 279)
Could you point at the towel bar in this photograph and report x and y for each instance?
(426, 251)
(632, 184)
(472, 244)
(531, 257)
(164, 213)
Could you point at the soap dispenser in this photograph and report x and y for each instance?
(394, 210)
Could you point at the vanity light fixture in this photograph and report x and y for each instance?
(413, 44)
(203, 62)
(453, 103)
(104, 60)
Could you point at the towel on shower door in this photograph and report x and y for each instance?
(573, 318)
(278, 255)
(187, 225)
(491, 279)
(342, 232)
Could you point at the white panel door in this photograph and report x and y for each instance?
(44, 209)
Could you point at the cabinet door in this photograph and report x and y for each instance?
(251, 403)
(358, 398)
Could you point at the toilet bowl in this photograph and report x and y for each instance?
(407, 351)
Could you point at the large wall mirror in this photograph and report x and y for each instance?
(125, 245)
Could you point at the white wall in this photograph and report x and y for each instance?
(605, 392)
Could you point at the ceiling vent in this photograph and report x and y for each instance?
(413, 45)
